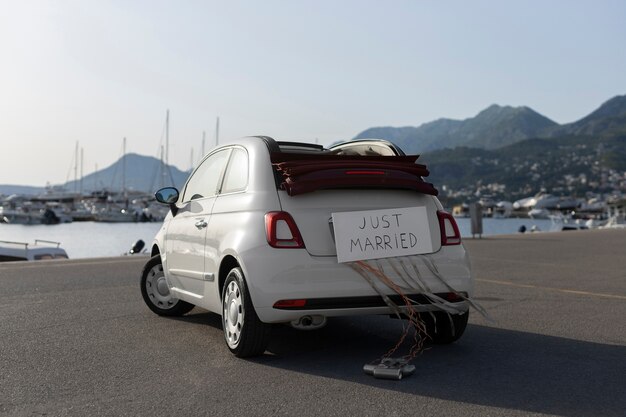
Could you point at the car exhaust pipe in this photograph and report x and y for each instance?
(309, 323)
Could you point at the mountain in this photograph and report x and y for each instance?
(609, 118)
(499, 126)
(143, 173)
(570, 165)
(493, 127)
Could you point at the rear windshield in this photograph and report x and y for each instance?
(352, 149)
(365, 150)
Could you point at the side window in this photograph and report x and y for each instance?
(237, 172)
(204, 181)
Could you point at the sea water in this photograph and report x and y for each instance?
(94, 240)
(84, 239)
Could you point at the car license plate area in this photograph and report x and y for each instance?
(375, 234)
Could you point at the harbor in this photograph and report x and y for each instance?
(56, 205)
(80, 341)
(94, 239)
(54, 208)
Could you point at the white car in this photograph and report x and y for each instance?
(261, 234)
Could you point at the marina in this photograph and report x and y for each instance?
(94, 239)
(55, 208)
(106, 224)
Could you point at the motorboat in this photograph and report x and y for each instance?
(25, 215)
(539, 213)
(19, 216)
(546, 201)
(614, 222)
(616, 214)
(38, 251)
(115, 215)
(503, 210)
(565, 223)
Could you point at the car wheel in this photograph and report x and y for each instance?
(444, 328)
(156, 293)
(245, 334)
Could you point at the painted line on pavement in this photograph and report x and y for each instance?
(593, 294)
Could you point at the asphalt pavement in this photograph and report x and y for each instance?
(76, 339)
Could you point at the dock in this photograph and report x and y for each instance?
(76, 339)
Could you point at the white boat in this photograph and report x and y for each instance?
(81, 213)
(19, 216)
(22, 251)
(54, 215)
(614, 222)
(503, 210)
(115, 215)
(564, 223)
(546, 201)
(616, 213)
(539, 213)
(23, 215)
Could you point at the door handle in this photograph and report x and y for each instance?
(201, 224)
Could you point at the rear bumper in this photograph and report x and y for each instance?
(368, 301)
(292, 274)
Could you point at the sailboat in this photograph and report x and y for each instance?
(116, 210)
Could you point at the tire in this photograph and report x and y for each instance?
(244, 333)
(156, 293)
(444, 328)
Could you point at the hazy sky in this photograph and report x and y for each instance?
(98, 71)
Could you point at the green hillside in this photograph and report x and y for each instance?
(569, 165)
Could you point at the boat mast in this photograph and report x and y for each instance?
(167, 137)
(203, 142)
(124, 168)
(163, 169)
(82, 162)
(76, 169)
(217, 132)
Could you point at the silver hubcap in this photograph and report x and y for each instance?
(233, 314)
(157, 289)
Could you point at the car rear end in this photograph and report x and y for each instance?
(297, 274)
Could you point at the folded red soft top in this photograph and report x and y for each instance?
(303, 173)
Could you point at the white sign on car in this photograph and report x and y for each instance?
(374, 234)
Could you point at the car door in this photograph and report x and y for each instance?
(230, 214)
(186, 233)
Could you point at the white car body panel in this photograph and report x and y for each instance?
(301, 276)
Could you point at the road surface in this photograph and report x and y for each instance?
(76, 339)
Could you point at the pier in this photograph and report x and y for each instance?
(76, 339)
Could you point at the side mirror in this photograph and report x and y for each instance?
(169, 196)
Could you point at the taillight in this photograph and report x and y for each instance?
(281, 231)
(450, 234)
